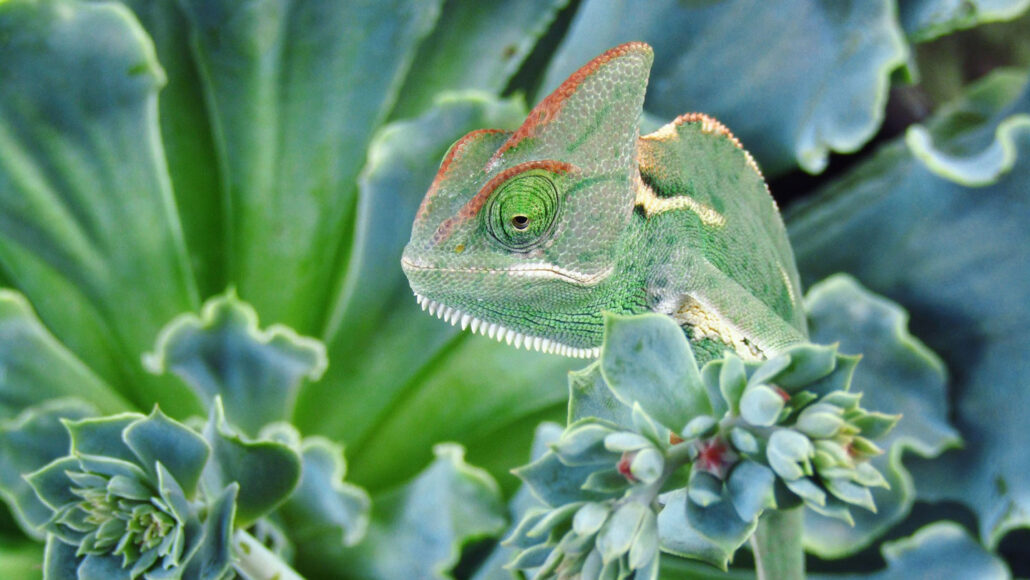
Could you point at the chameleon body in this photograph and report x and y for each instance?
(529, 236)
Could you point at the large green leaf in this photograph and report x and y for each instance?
(295, 90)
(927, 19)
(35, 367)
(955, 258)
(88, 227)
(474, 46)
(897, 375)
(794, 80)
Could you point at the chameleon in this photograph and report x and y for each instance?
(529, 236)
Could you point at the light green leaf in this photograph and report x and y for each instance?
(418, 530)
(88, 228)
(955, 258)
(925, 20)
(35, 367)
(474, 46)
(28, 442)
(21, 559)
(816, 73)
(646, 359)
(295, 90)
(223, 353)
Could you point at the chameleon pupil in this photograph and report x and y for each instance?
(520, 222)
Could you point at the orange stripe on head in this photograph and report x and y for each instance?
(549, 108)
(474, 205)
(445, 165)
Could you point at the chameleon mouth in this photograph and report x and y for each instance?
(502, 333)
(528, 270)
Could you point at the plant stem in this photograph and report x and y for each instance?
(777, 545)
(256, 562)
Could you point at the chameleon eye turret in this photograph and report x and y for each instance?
(529, 236)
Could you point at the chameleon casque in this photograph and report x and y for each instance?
(529, 236)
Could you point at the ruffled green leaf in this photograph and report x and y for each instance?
(88, 229)
(474, 46)
(35, 367)
(925, 20)
(295, 90)
(973, 142)
(28, 442)
(647, 360)
(955, 259)
(223, 353)
(266, 471)
(322, 500)
(418, 530)
(817, 74)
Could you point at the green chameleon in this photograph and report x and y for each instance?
(529, 236)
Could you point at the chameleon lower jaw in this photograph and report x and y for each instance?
(502, 334)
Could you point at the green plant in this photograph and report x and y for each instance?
(154, 154)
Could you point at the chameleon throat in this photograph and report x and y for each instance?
(503, 334)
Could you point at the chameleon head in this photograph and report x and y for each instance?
(520, 233)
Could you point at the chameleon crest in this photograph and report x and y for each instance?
(529, 236)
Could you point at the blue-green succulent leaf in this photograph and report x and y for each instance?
(322, 500)
(983, 141)
(647, 360)
(51, 482)
(589, 396)
(266, 471)
(818, 73)
(88, 228)
(732, 380)
(214, 555)
(955, 259)
(37, 367)
(841, 310)
(28, 442)
(750, 488)
(556, 483)
(761, 406)
(925, 20)
(102, 436)
(158, 440)
(223, 353)
(679, 535)
(417, 531)
(617, 535)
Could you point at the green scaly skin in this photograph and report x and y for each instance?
(528, 236)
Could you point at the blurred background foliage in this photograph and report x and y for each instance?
(156, 152)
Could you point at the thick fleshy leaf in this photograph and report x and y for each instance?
(28, 442)
(295, 91)
(494, 39)
(940, 550)
(266, 471)
(589, 396)
(160, 440)
(88, 228)
(647, 360)
(898, 374)
(214, 556)
(35, 367)
(222, 353)
(59, 560)
(418, 530)
(928, 19)
(322, 500)
(555, 483)
(680, 536)
(978, 141)
(955, 258)
(817, 74)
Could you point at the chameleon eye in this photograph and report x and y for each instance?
(522, 211)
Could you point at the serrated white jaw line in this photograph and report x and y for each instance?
(501, 333)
